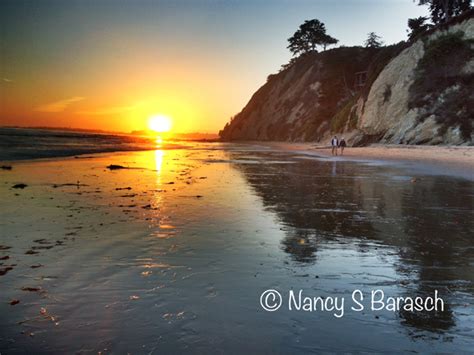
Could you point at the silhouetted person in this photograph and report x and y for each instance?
(342, 144)
(334, 144)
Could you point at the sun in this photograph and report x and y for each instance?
(159, 123)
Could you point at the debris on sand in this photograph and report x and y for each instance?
(31, 289)
(6, 167)
(78, 184)
(4, 247)
(14, 302)
(6, 257)
(150, 207)
(123, 188)
(120, 167)
(116, 167)
(31, 252)
(41, 241)
(45, 314)
(42, 247)
(36, 266)
(4, 271)
(19, 186)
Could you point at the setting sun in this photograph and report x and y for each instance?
(159, 123)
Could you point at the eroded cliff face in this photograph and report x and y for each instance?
(414, 93)
(298, 103)
(391, 111)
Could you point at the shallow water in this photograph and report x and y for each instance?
(174, 254)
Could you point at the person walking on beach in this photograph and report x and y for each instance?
(334, 143)
(342, 144)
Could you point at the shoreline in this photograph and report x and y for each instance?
(456, 161)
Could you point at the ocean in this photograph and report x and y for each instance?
(25, 144)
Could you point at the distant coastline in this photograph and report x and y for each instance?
(192, 136)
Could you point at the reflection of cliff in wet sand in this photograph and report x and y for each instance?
(348, 203)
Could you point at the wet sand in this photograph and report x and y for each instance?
(172, 253)
(450, 160)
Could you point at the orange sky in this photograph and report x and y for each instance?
(110, 65)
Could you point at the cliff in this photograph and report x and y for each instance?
(420, 92)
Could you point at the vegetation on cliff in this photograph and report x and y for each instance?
(442, 88)
(317, 94)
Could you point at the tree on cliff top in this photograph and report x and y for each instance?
(373, 41)
(310, 34)
(417, 26)
(442, 10)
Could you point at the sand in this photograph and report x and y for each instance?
(173, 253)
(435, 160)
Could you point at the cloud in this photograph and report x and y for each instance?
(58, 106)
(109, 110)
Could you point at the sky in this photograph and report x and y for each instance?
(110, 65)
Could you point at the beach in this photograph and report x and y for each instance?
(452, 160)
(169, 250)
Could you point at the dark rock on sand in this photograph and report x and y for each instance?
(116, 167)
(6, 167)
(14, 302)
(19, 186)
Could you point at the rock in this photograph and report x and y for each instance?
(14, 302)
(116, 167)
(19, 186)
(6, 167)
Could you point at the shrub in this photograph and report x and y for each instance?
(440, 87)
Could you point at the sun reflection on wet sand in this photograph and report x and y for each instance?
(159, 155)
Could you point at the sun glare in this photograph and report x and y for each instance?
(159, 123)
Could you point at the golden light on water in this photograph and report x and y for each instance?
(159, 123)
